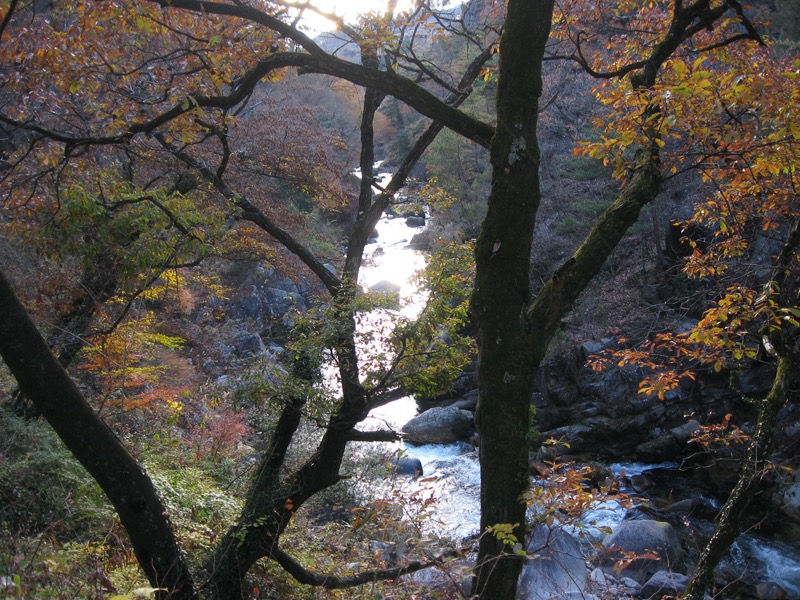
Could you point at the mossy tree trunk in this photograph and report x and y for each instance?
(731, 516)
(729, 520)
(502, 291)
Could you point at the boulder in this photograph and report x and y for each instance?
(664, 447)
(664, 583)
(421, 241)
(468, 402)
(655, 543)
(669, 445)
(412, 212)
(769, 590)
(556, 568)
(757, 381)
(248, 344)
(407, 465)
(641, 483)
(687, 506)
(588, 349)
(439, 425)
(415, 221)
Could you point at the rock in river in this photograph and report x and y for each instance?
(439, 425)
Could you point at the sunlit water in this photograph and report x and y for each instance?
(452, 472)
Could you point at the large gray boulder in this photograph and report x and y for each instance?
(640, 548)
(664, 583)
(556, 569)
(421, 241)
(439, 425)
(407, 465)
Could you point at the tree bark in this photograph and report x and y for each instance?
(127, 486)
(98, 283)
(730, 517)
(502, 292)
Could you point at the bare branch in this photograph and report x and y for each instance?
(332, 582)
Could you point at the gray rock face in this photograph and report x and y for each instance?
(665, 583)
(247, 307)
(557, 570)
(278, 302)
(248, 344)
(655, 542)
(439, 425)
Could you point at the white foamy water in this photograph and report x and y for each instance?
(780, 561)
(452, 471)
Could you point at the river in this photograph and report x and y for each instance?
(452, 471)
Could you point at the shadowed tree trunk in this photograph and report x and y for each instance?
(127, 486)
(731, 516)
(755, 466)
(502, 291)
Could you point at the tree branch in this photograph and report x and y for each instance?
(563, 288)
(374, 436)
(332, 582)
(252, 213)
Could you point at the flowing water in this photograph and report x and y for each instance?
(452, 472)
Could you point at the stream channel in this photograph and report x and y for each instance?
(452, 471)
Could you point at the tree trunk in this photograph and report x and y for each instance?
(730, 518)
(98, 284)
(502, 292)
(127, 486)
